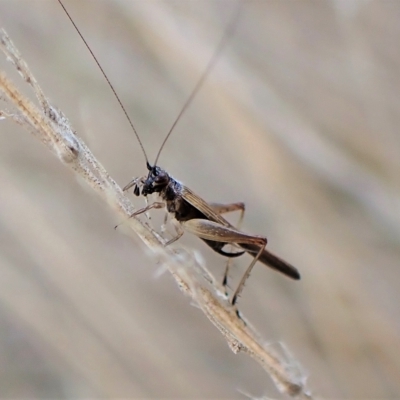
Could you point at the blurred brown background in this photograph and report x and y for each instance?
(299, 119)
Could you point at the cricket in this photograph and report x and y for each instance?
(188, 211)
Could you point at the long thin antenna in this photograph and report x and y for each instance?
(108, 81)
(224, 40)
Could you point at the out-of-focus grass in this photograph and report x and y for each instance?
(299, 120)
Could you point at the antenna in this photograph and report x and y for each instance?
(224, 40)
(108, 81)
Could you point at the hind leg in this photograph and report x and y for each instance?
(223, 209)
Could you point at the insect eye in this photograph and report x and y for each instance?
(161, 180)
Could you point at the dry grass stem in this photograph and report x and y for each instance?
(50, 125)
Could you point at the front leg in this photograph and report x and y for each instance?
(134, 182)
(156, 205)
(176, 224)
(143, 210)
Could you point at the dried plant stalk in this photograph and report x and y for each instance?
(50, 125)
